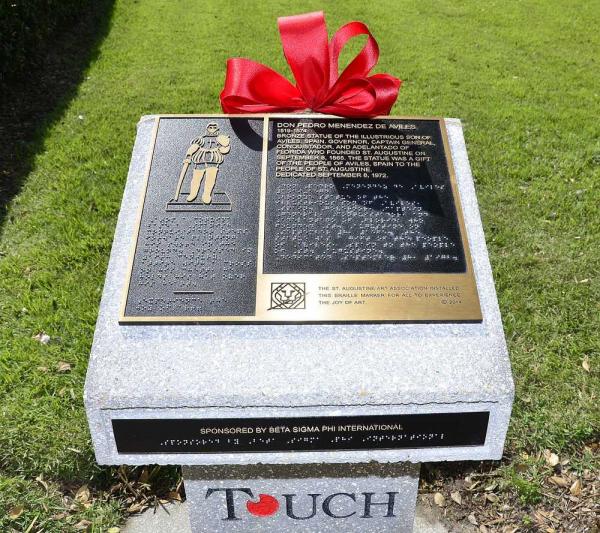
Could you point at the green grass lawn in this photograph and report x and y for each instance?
(523, 77)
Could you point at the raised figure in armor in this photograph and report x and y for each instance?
(205, 153)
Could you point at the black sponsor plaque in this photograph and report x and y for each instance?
(236, 435)
(299, 218)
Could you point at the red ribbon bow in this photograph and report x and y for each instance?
(251, 87)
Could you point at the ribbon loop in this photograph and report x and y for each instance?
(251, 87)
(366, 59)
(304, 39)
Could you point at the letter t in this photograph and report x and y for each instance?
(229, 500)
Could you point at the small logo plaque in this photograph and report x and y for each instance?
(288, 296)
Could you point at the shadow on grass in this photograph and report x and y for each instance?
(31, 105)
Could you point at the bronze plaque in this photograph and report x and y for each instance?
(299, 218)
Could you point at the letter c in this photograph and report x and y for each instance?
(327, 503)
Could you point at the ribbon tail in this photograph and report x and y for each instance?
(251, 87)
(386, 89)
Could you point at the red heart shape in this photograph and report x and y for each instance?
(265, 506)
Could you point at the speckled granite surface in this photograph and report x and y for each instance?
(213, 371)
(173, 518)
(307, 498)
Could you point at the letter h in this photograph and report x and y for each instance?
(369, 503)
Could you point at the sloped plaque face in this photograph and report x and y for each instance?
(299, 218)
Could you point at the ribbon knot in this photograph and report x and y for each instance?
(251, 87)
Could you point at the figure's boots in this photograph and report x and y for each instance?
(209, 184)
(197, 176)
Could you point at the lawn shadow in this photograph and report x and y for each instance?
(31, 105)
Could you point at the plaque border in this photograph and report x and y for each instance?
(473, 301)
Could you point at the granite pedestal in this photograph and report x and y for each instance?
(297, 370)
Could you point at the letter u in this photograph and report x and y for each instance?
(289, 506)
